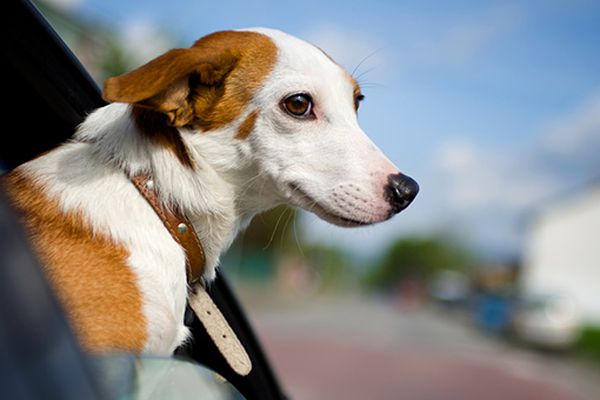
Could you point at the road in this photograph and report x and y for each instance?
(329, 348)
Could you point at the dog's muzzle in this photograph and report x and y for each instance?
(400, 191)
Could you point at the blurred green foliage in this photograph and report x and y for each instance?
(114, 60)
(274, 231)
(333, 265)
(417, 258)
(255, 253)
(589, 342)
(274, 237)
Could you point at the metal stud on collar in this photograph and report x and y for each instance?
(150, 184)
(182, 228)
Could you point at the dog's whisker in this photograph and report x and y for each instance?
(275, 230)
(260, 192)
(250, 183)
(366, 72)
(252, 180)
(372, 85)
(296, 236)
(287, 222)
(365, 59)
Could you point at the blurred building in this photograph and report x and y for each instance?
(562, 254)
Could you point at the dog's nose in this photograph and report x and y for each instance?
(400, 191)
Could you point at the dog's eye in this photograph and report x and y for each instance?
(357, 99)
(298, 105)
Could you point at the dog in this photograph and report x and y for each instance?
(238, 123)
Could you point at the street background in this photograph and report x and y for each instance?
(359, 348)
(486, 287)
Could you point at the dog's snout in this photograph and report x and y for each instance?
(400, 191)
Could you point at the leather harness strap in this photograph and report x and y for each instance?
(206, 310)
(220, 331)
(178, 226)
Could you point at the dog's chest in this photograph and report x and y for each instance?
(158, 263)
(113, 208)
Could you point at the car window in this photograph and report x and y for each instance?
(126, 376)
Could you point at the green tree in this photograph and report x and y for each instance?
(417, 258)
(333, 265)
(255, 253)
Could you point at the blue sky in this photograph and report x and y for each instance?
(493, 106)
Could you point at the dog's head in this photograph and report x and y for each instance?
(274, 105)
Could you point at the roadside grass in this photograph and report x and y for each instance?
(589, 342)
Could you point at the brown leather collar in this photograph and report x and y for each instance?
(178, 226)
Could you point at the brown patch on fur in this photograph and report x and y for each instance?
(87, 270)
(218, 106)
(155, 126)
(247, 126)
(163, 83)
(206, 86)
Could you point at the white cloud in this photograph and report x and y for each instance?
(477, 178)
(143, 40)
(490, 191)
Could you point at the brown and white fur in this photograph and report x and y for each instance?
(209, 123)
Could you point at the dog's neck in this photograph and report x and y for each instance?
(218, 190)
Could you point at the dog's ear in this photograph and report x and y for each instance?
(169, 82)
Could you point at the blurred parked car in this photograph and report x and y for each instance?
(548, 321)
(450, 288)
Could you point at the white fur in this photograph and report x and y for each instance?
(327, 165)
